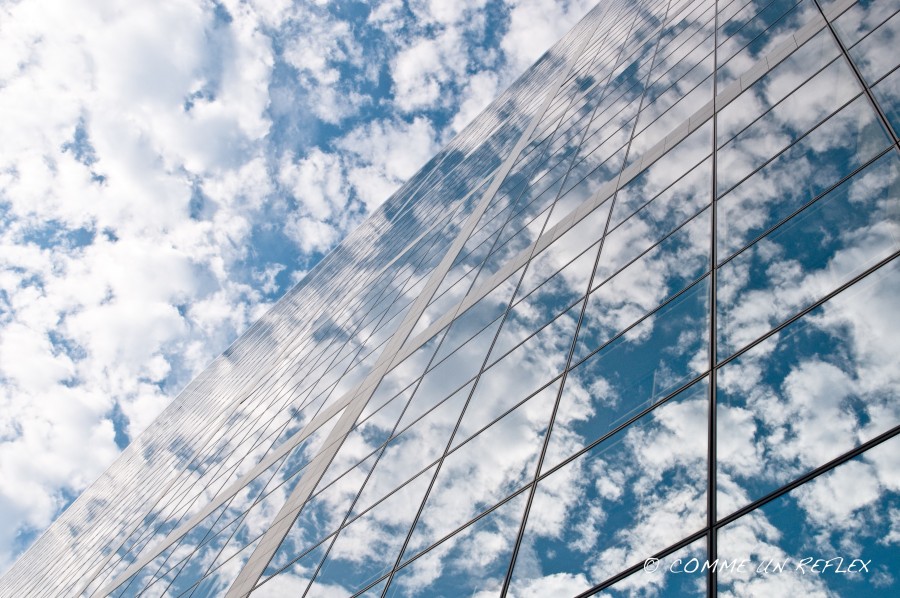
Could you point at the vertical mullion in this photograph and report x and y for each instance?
(712, 547)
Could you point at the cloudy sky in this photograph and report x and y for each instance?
(169, 169)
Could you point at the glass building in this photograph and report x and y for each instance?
(646, 306)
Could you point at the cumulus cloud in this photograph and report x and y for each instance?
(534, 25)
(420, 69)
(132, 174)
(385, 153)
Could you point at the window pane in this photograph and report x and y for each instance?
(808, 256)
(850, 513)
(813, 391)
(632, 495)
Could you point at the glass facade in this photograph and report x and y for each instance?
(633, 332)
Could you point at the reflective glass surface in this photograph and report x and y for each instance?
(835, 535)
(633, 494)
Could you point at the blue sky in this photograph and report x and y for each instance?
(169, 169)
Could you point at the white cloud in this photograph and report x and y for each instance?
(311, 235)
(481, 88)
(318, 51)
(447, 13)
(387, 153)
(317, 183)
(127, 134)
(535, 25)
(422, 69)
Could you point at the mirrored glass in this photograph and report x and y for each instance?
(295, 578)
(544, 295)
(874, 55)
(368, 547)
(835, 535)
(887, 93)
(757, 30)
(482, 411)
(483, 313)
(665, 171)
(403, 375)
(589, 178)
(457, 370)
(545, 349)
(567, 247)
(476, 476)
(860, 19)
(632, 495)
(816, 389)
(440, 305)
(830, 152)
(154, 577)
(645, 283)
(822, 95)
(677, 574)
(320, 516)
(633, 372)
(813, 253)
(653, 220)
(472, 562)
(776, 85)
(215, 565)
(669, 111)
(412, 450)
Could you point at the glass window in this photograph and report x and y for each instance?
(368, 547)
(472, 562)
(835, 535)
(320, 516)
(813, 253)
(756, 31)
(675, 575)
(662, 117)
(293, 579)
(402, 375)
(777, 84)
(555, 292)
(476, 476)
(665, 171)
(645, 283)
(458, 369)
(831, 151)
(483, 313)
(640, 367)
(588, 177)
(545, 346)
(221, 576)
(861, 18)
(887, 93)
(413, 450)
(814, 390)
(570, 244)
(875, 55)
(824, 94)
(632, 495)
(654, 219)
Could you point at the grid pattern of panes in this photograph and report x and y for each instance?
(645, 306)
